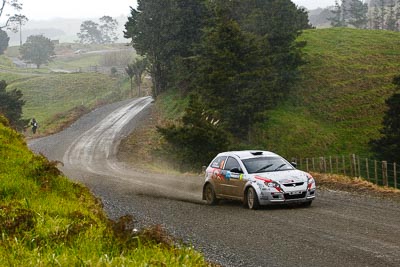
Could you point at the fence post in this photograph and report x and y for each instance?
(395, 175)
(376, 171)
(351, 166)
(367, 167)
(313, 164)
(354, 164)
(385, 173)
(337, 164)
(359, 167)
(330, 164)
(321, 164)
(344, 165)
(307, 165)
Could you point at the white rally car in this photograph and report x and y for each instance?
(257, 178)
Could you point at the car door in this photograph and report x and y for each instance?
(215, 173)
(234, 182)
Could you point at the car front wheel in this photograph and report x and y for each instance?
(209, 193)
(252, 199)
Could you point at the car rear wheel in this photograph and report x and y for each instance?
(252, 199)
(209, 193)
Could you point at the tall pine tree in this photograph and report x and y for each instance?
(388, 146)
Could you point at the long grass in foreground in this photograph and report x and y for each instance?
(47, 220)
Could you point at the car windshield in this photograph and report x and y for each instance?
(266, 164)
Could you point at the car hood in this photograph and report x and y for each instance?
(292, 176)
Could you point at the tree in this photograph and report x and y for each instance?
(16, 23)
(234, 74)
(108, 28)
(337, 18)
(397, 14)
(358, 14)
(391, 20)
(139, 66)
(38, 50)
(11, 104)
(153, 31)
(382, 13)
(90, 33)
(135, 72)
(164, 32)
(388, 146)
(129, 70)
(376, 19)
(4, 39)
(197, 138)
(13, 4)
(95, 33)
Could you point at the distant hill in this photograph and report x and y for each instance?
(339, 105)
(61, 29)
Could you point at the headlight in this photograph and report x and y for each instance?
(274, 185)
(310, 182)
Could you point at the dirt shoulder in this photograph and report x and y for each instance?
(355, 185)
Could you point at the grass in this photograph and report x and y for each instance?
(57, 99)
(355, 185)
(47, 220)
(339, 105)
(50, 98)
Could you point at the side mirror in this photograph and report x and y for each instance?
(236, 170)
(294, 164)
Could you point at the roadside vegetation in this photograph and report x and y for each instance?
(46, 220)
(336, 109)
(69, 86)
(226, 59)
(339, 105)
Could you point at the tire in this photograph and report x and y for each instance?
(252, 199)
(209, 194)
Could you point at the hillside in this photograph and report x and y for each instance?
(70, 85)
(339, 105)
(47, 220)
(335, 110)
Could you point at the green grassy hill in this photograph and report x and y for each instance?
(57, 99)
(339, 105)
(47, 220)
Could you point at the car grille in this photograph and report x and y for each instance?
(294, 184)
(302, 195)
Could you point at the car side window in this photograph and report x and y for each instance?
(232, 164)
(218, 162)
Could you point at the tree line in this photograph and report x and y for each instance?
(378, 14)
(234, 61)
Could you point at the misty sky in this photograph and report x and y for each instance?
(47, 9)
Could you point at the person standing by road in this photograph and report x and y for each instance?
(34, 125)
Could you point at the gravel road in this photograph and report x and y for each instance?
(339, 229)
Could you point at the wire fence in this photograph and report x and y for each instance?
(378, 172)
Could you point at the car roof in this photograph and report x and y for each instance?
(244, 154)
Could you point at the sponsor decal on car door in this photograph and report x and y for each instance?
(234, 178)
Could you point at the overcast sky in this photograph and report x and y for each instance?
(47, 9)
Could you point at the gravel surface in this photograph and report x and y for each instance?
(339, 229)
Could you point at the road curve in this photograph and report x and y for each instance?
(340, 229)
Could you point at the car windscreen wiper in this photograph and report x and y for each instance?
(280, 166)
(264, 168)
